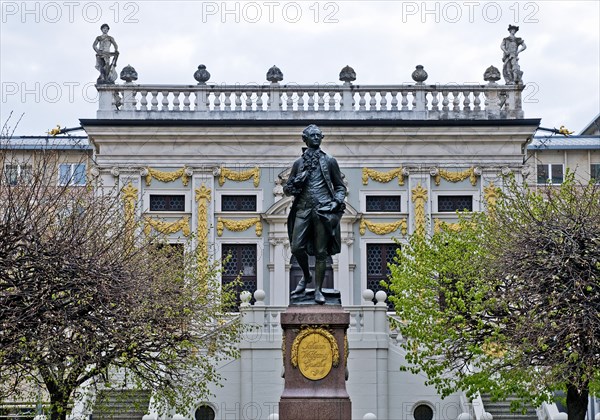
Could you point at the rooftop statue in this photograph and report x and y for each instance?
(104, 64)
(512, 47)
(314, 222)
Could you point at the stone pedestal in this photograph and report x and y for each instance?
(315, 349)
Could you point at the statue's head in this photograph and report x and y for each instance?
(312, 136)
(105, 27)
(512, 29)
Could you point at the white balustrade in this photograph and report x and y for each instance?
(274, 101)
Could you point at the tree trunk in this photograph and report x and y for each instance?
(59, 405)
(577, 402)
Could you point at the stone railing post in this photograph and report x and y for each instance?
(105, 100)
(201, 98)
(347, 97)
(128, 97)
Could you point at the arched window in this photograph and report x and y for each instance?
(205, 412)
(423, 412)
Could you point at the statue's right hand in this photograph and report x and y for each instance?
(299, 179)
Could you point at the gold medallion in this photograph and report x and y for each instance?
(315, 352)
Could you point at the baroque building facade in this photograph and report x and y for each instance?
(210, 161)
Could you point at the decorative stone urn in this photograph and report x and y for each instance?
(419, 75)
(128, 74)
(491, 75)
(202, 75)
(274, 75)
(347, 74)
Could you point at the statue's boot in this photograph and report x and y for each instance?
(306, 278)
(320, 267)
(301, 285)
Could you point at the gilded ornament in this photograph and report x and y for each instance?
(203, 197)
(167, 176)
(491, 194)
(439, 225)
(129, 197)
(382, 228)
(456, 176)
(419, 197)
(182, 225)
(315, 352)
(239, 225)
(382, 176)
(239, 175)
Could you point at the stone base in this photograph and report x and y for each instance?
(322, 397)
(315, 409)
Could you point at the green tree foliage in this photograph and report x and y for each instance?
(88, 299)
(509, 304)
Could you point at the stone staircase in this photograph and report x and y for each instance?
(500, 410)
(121, 404)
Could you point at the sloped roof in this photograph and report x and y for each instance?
(45, 142)
(559, 142)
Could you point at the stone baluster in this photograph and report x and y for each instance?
(237, 100)
(228, 101)
(248, 100)
(373, 101)
(176, 102)
(311, 100)
(362, 102)
(300, 100)
(331, 102)
(154, 101)
(466, 102)
(321, 100)
(165, 101)
(143, 100)
(456, 102)
(394, 102)
(435, 101)
(217, 101)
(445, 101)
(259, 101)
(383, 100)
(414, 100)
(289, 102)
(476, 101)
(404, 102)
(186, 100)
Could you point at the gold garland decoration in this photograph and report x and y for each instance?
(167, 176)
(308, 330)
(129, 197)
(240, 175)
(182, 225)
(419, 197)
(439, 225)
(382, 228)
(456, 176)
(239, 225)
(491, 194)
(203, 197)
(382, 176)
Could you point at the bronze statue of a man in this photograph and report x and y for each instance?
(314, 221)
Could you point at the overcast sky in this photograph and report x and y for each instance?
(47, 62)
